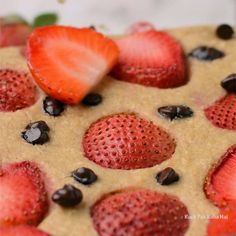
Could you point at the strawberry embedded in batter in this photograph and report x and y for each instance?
(224, 224)
(139, 212)
(126, 141)
(222, 113)
(151, 58)
(13, 34)
(24, 198)
(220, 189)
(17, 90)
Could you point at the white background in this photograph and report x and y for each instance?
(118, 14)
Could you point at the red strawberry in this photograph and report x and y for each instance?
(224, 224)
(13, 34)
(222, 112)
(23, 194)
(68, 62)
(151, 58)
(21, 230)
(220, 185)
(139, 212)
(220, 188)
(17, 90)
(139, 27)
(126, 141)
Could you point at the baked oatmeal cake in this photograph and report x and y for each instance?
(130, 136)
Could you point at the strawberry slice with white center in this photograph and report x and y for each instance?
(220, 189)
(224, 224)
(220, 185)
(68, 62)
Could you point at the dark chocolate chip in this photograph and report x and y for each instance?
(68, 196)
(175, 112)
(92, 99)
(229, 83)
(224, 31)
(36, 133)
(84, 175)
(167, 176)
(206, 53)
(53, 107)
(42, 125)
(92, 27)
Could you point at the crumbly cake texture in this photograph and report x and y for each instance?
(199, 144)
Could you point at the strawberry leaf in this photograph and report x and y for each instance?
(45, 19)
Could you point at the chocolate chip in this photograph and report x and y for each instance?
(36, 133)
(53, 107)
(84, 175)
(224, 31)
(167, 176)
(206, 53)
(68, 196)
(92, 27)
(229, 83)
(175, 112)
(92, 99)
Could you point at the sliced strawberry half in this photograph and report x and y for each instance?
(23, 194)
(220, 184)
(141, 26)
(13, 34)
(222, 113)
(220, 189)
(126, 141)
(224, 224)
(17, 90)
(151, 58)
(21, 230)
(139, 212)
(68, 62)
